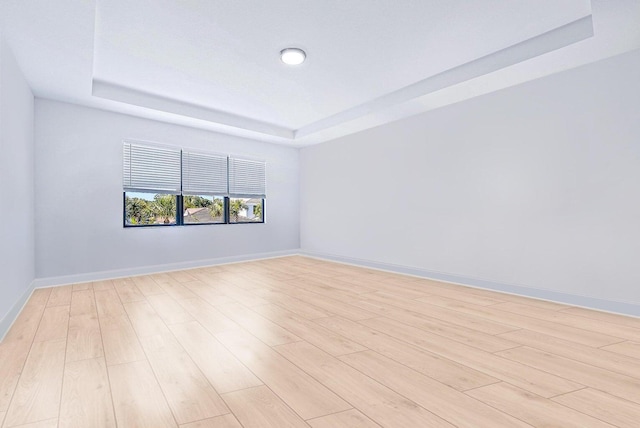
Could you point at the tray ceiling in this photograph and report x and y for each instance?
(216, 64)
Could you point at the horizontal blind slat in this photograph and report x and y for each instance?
(151, 168)
(204, 174)
(247, 177)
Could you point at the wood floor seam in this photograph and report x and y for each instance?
(371, 379)
(113, 407)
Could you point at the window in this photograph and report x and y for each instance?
(204, 186)
(203, 209)
(151, 182)
(146, 209)
(167, 186)
(245, 210)
(247, 188)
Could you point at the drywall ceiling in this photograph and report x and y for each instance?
(215, 64)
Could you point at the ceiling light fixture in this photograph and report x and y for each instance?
(292, 56)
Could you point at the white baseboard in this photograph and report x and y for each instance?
(12, 315)
(625, 308)
(613, 306)
(146, 270)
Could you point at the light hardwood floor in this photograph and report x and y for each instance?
(299, 342)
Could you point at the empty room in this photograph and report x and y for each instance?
(322, 214)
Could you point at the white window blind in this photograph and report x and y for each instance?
(247, 178)
(151, 168)
(204, 174)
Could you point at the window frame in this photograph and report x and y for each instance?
(179, 215)
(245, 222)
(124, 212)
(225, 213)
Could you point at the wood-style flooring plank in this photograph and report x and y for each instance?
(526, 377)
(259, 407)
(313, 333)
(224, 371)
(37, 396)
(598, 357)
(210, 318)
(545, 304)
(433, 288)
(85, 338)
(449, 404)
(13, 355)
(157, 278)
(60, 296)
(106, 284)
(381, 404)
(361, 279)
(593, 314)
(121, 344)
(477, 338)
(178, 290)
(207, 294)
(533, 409)
(108, 303)
(86, 396)
(618, 331)
(181, 276)
(137, 398)
(269, 332)
(615, 384)
(82, 302)
(333, 306)
(630, 349)
(244, 297)
(127, 290)
(305, 395)
(385, 305)
(450, 373)
(26, 324)
(342, 287)
(49, 423)
(82, 286)
(540, 303)
(310, 284)
(606, 407)
(224, 421)
(169, 309)
(163, 344)
(39, 297)
(245, 280)
(489, 313)
(347, 419)
(147, 285)
(298, 307)
(144, 319)
(187, 391)
(54, 324)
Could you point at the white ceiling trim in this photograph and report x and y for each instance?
(555, 39)
(565, 35)
(114, 92)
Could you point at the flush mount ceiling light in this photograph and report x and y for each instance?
(292, 56)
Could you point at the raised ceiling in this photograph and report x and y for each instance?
(215, 64)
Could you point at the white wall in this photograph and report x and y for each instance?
(16, 188)
(79, 197)
(536, 186)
